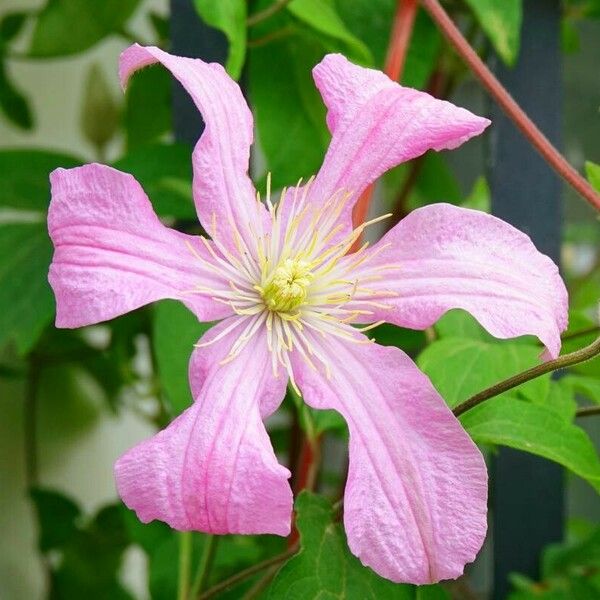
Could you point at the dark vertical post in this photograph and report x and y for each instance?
(527, 492)
(190, 36)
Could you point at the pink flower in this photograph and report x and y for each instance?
(286, 292)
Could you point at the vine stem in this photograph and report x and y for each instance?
(261, 15)
(185, 560)
(527, 127)
(588, 411)
(206, 561)
(247, 573)
(404, 20)
(567, 360)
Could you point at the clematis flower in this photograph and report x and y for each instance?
(287, 292)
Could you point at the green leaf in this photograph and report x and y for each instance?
(501, 21)
(25, 182)
(480, 197)
(290, 115)
(165, 173)
(461, 367)
(423, 52)
(175, 331)
(146, 535)
(229, 16)
(459, 323)
(26, 302)
(148, 107)
(406, 339)
(100, 113)
(321, 15)
(370, 21)
(57, 518)
(324, 568)
(535, 429)
(11, 24)
(70, 26)
(592, 171)
(12, 102)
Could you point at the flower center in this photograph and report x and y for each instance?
(287, 288)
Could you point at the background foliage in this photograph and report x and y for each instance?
(137, 364)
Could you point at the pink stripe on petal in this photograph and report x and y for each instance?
(450, 257)
(213, 469)
(112, 254)
(222, 188)
(377, 124)
(416, 496)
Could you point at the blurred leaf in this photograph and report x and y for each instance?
(565, 558)
(229, 16)
(461, 367)
(25, 182)
(406, 339)
(535, 429)
(593, 174)
(479, 198)
(370, 21)
(586, 386)
(148, 107)
(321, 15)
(11, 24)
(146, 535)
(70, 26)
(12, 102)
(501, 21)
(324, 567)
(160, 25)
(91, 561)
(57, 518)
(423, 52)
(579, 321)
(175, 332)
(290, 115)
(26, 302)
(165, 173)
(100, 113)
(569, 36)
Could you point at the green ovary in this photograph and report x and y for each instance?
(287, 288)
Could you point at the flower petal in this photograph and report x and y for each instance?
(213, 468)
(113, 255)
(224, 195)
(377, 124)
(416, 496)
(206, 356)
(450, 257)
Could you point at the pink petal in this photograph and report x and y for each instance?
(377, 124)
(205, 358)
(450, 257)
(213, 469)
(113, 255)
(224, 195)
(416, 495)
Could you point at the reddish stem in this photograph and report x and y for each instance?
(404, 20)
(306, 473)
(508, 104)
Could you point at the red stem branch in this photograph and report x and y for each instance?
(508, 104)
(404, 20)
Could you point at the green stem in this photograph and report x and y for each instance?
(185, 560)
(247, 573)
(206, 562)
(567, 360)
(271, 10)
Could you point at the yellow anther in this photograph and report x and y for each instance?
(287, 287)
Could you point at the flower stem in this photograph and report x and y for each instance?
(247, 573)
(508, 104)
(206, 561)
(404, 20)
(588, 411)
(567, 360)
(262, 15)
(185, 560)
